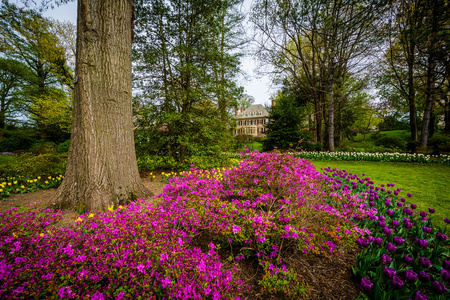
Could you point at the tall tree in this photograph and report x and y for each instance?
(29, 38)
(186, 62)
(322, 41)
(102, 169)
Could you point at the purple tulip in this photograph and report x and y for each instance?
(373, 217)
(399, 204)
(423, 214)
(396, 283)
(377, 241)
(394, 223)
(364, 243)
(446, 264)
(389, 192)
(441, 237)
(365, 285)
(424, 262)
(389, 272)
(387, 231)
(402, 199)
(387, 202)
(382, 189)
(413, 206)
(408, 225)
(424, 276)
(422, 244)
(385, 259)
(445, 275)
(381, 223)
(395, 192)
(407, 211)
(371, 204)
(419, 296)
(390, 247)
(382, 218)
(407, 260)
(447, 221)
(409, 195)
(426, 229)
(439, 288)
(431, 210)
(410, 276)
(389, 213)
(398, 240)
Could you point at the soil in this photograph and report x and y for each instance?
(327, 277)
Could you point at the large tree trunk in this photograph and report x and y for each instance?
(101, 168)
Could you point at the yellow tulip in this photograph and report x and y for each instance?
(79, 220)
(91, 215)
(111, 208)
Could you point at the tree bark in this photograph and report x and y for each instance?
(101, 169)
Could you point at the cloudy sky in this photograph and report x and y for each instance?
(256, 86)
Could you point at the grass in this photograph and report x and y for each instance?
(428, 183)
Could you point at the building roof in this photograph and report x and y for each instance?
(254, 111)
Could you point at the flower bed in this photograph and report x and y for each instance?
(405, 256)
(269, 208)
(364, 156)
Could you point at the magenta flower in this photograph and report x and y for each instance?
(419, 296)
(422, 244)
(396, 283)
(441, 237)
(364, 243)
(390, 247)
(389, 213)
(377, 241)
(410, 276)
(387, 231)
(389, 272)
(447, 221)
(424, 276)
(445, 275)
(431, 210)
(446, 264)
(424, 262)
(385, 259)
(409, 195)
(407, 211)
(426, 229)
(413, 206)
(423, 214)
(439, 288)
(407, 260)
(398, 240)
(120, 296)
(394, 223)
(408, 225)
(365, 285)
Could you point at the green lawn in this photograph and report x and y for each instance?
(429, 183)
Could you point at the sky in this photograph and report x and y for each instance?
(258, 87)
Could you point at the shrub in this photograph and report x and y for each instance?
(29, 165)
(390, 142)
(440, 144)
(63, 147)
(412, 146)
(43, 147)
(16, 142)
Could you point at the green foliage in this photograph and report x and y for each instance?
(32, 166)
(283, 130)
(390, 142)
(63, 147)
(392, 123)
(16, 142)
(440, 143)
(43, 147)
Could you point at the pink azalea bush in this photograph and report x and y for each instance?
(270, 205)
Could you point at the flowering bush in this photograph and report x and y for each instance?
(22, 184)
(266, 207)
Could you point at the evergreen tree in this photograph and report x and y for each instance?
(283, 130)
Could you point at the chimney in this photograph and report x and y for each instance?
(242, 110)
(273, 102)
(235, 112)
